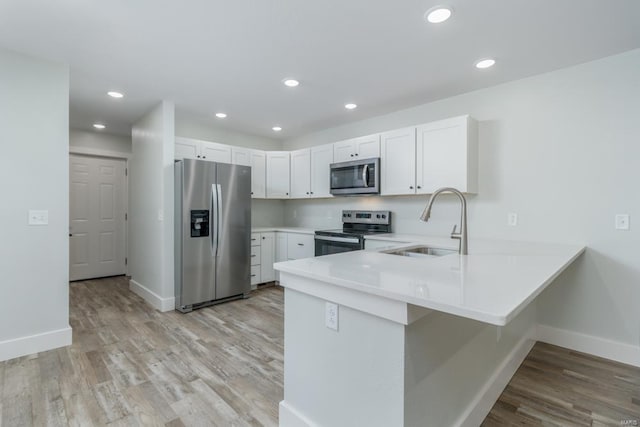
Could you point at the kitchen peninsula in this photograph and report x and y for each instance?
(410, 340)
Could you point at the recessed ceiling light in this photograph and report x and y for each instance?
(115, 94)
(99, 126)
(291, 82)
(485, 63)
(221, 115)
(438, 14)
(277, 128)
(350, 106)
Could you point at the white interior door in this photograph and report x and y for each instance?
(96, 217)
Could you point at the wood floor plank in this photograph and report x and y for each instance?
(130, 365)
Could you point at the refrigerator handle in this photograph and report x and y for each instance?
(216, 201)
(213, 220)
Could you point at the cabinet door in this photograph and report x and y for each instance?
(214, 152)
(187, 149)
(321, 159)
(300, 246)
(277, 175)
(398, 162)
(367, 146)
(300, 173)
(258, 174)
(447, 155)
(281, 246)
(344, 151)
(268, 257)
(241, 156)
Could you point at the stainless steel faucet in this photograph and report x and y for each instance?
(462, 235)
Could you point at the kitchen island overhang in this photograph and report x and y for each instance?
(419, 341)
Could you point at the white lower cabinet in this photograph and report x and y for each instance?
(300, 246)
(255, 260)
(267, 256)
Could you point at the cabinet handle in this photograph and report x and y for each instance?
(253, 240)
(300, 244)
(351, 155)
(253, 275)
(287, 194)
(198, 156)
(312, 192)
(356, 154)
(411, 187)
(307, 192)
(253, 256)
(264, 238)
(419, 187)
(252, 193)
(204, 157)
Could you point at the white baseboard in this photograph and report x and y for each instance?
(18, 347)
(288, 416)
(596, 346)
(484, 400)
(155, 300)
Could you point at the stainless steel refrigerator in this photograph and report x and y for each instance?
(212, 233)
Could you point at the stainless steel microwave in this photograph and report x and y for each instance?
(355, 177)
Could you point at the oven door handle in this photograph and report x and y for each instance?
(338, 239)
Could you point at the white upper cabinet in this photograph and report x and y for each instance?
(398, 162)
(214, 152)
(447, 155)
(301, 173)
(189, 148)
(363, 147)
(321, 159)
(277, 174)
(241, 156)
(258, 163)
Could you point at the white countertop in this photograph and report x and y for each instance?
(299, 230)
(492, 284)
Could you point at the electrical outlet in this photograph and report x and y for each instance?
(38, 217)
(512, 219)
(331, 315)
(622, 221)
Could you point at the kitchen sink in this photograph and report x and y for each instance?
(420, 251)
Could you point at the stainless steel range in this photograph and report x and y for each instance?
(355, 225)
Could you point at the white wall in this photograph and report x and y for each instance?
(193, 126)
(34, 130)
(99, 142)
(151, 207)
(560, 149)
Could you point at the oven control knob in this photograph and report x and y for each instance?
(384, 216)
(344, 215)
(378, 216)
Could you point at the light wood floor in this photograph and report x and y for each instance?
(130, 365)
(559, 387)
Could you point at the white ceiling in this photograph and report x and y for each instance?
(231, 55)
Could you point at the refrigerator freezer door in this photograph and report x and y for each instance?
(234, 231)
(198, 270)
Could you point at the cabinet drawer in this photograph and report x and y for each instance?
(300, 246)
(255, 255)
(255, 274)
(255, 239)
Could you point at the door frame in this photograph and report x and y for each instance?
(116, 155)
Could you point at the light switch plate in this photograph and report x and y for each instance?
(512, 219)
(622, 221)
(38, 217)
(331, 316)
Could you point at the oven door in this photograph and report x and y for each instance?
(356, 177)
(327, 245)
